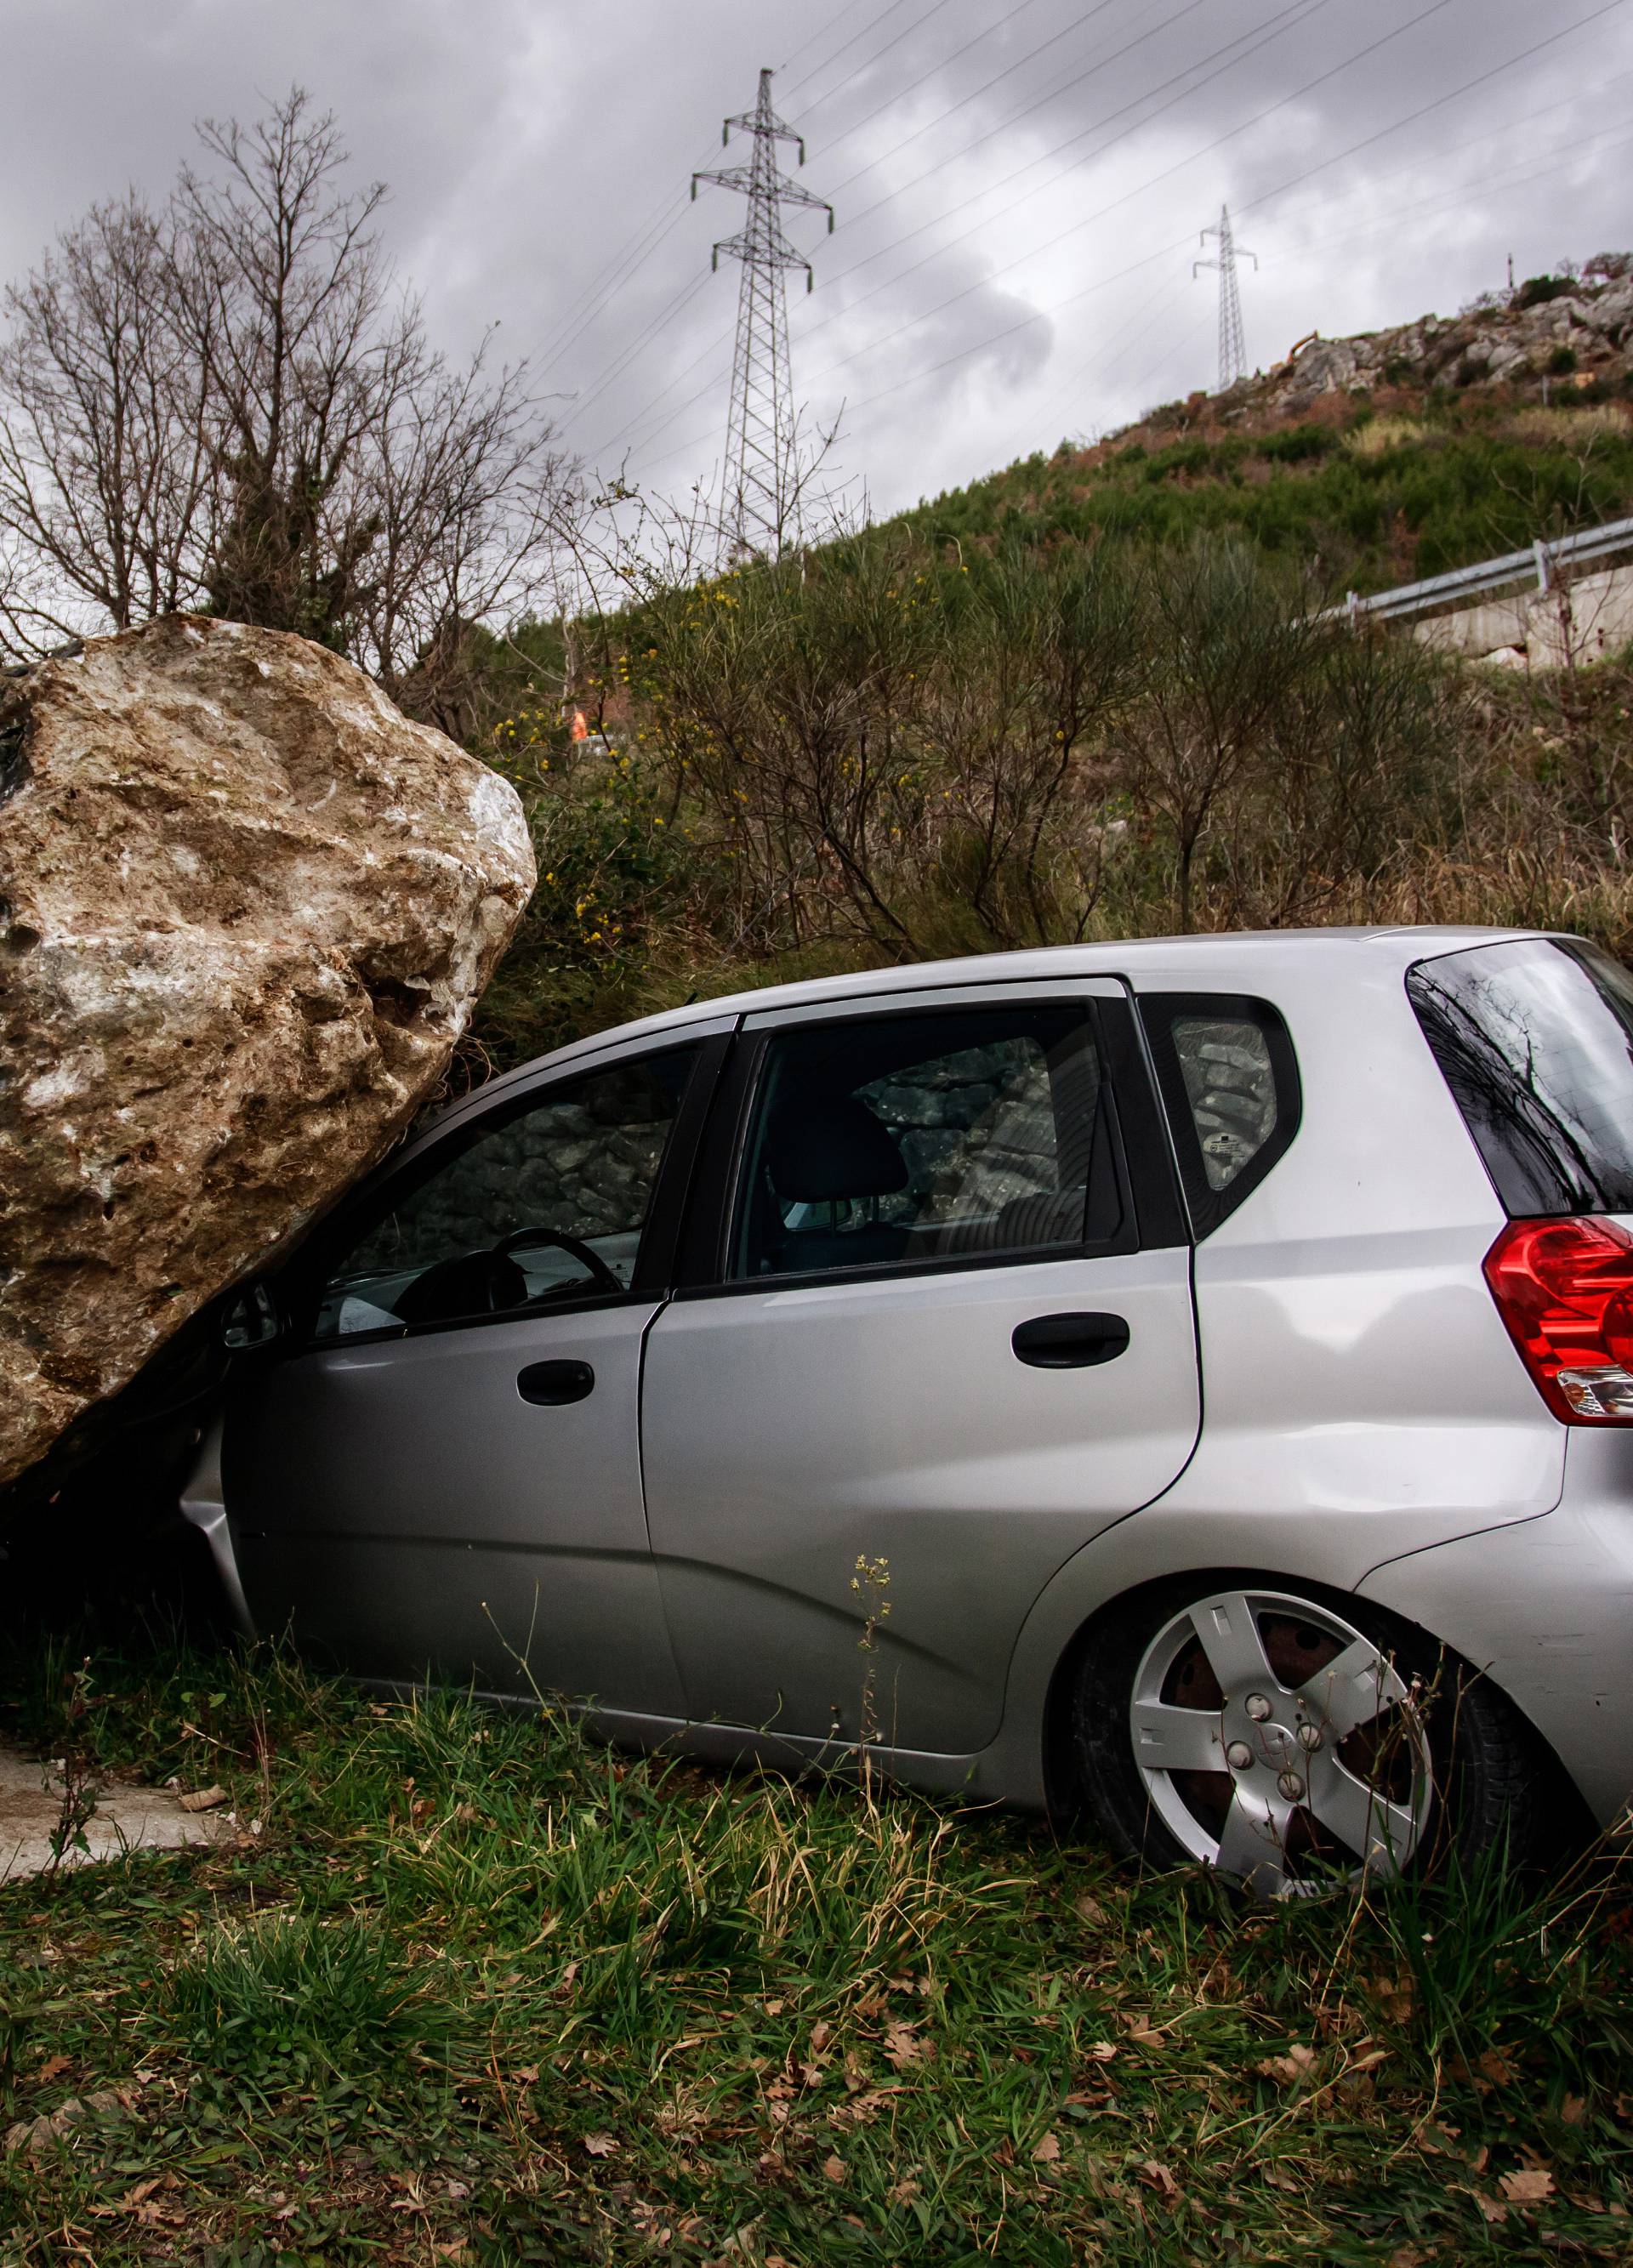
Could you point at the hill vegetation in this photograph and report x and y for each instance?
(1091, 696)
(1362, 496)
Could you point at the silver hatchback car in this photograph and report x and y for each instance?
(1189, 1381)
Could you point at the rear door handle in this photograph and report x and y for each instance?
(1072, 1342)
(550, 1384)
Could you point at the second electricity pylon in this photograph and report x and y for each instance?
(762, 475)
(1232, 349)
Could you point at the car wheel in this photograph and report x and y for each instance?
(1293, 1738)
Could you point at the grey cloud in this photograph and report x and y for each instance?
(527, 142)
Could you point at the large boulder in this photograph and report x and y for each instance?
(245, 909)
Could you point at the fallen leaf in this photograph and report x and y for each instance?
(1493, 2211)
(1573, 2110)
(821, 2034)
(1101, 2052)
(1159, 2177)
(1047, 2152)
(834, 2168)
(142, 2190)
(1495, 2067)
(1296, 2064)
(1090, 1909)
(599, 2146)
(1528, 2186)
(775, 2007)
(902, 2192)
(903, 2045)
(203, 1799)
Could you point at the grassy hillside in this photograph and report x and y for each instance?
(1368, 496)
(1083, 697)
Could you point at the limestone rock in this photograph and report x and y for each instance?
(245, 909)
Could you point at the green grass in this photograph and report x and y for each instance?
(1466, 483)
(469, 1989)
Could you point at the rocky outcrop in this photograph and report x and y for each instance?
(245, 909)
(1570, 329)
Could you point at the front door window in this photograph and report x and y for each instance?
(541, 1205)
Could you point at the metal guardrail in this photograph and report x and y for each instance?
(1538, 563)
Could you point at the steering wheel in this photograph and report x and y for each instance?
(592, 1263)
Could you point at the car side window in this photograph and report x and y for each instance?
(886, 1141)
(1226, 1068)
(542, 1202)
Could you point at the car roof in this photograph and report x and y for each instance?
(1255, 956)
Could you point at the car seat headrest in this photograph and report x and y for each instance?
(831, 1149)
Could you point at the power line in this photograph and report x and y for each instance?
(1296, 12)
(868, 61)
(1259, 203)
(1546, 161)
(816, 70)
(943, 65)
(1104, 211)
(838, 17)
(1267, 29)
(1053, 95)
(1168, 250)
(643, 241)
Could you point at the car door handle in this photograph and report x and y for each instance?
(550, 1384)
(1069, 1342)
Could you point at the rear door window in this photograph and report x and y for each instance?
(888, 1141)
(1226, 1068)
(1535, 1039)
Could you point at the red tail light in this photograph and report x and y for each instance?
(1565, 1290)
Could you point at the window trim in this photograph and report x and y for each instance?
(1150, 1199)
(1159, 1012)
(660, 1233)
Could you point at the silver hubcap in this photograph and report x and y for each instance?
(1279, 1744)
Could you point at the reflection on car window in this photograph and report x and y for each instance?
(892, 1140)
(545, 1202)
(1231, 1086)
(1535, 1039)
(1229, 1083)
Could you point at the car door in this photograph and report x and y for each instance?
(944, 1336)
(443, 1475)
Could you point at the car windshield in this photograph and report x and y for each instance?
(1535, 1039)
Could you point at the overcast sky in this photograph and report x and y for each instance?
(1019, 184)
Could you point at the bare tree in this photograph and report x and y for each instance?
(107, 497)
(231, 405)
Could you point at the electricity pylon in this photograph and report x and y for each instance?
(1232, 350)
(762, 475)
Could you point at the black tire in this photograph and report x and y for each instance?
(1495, 1784)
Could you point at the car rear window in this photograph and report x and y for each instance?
(1535, 1039)
(1226, 1068)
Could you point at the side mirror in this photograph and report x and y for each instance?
(252, 1321)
